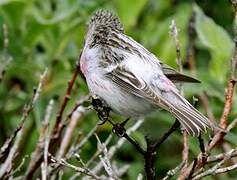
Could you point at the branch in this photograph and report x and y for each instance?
(105, 160)
(221, 156)
(218, 137)
(58, 127)
(7, 165)
(115, 147)
(46, 138)
(63, 162)
(174, 33)
(230, 90)
(74, 149)
(214, 169)
(75, 117)
(174, 171)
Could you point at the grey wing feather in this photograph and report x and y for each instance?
(176, 76)
(192, 120)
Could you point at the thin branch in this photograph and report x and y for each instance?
(75, 117)
(230, 90)
(7, 165)
(185, 152)
(221, 156)
(105, 160)
(120, 171)
(175, 34)
(42, 144)
(58, 127)
(63, 162)
(232, 125)
(83, 142)
(173, 128)
(44, 165)
(8, 143)
(98, 151)
(213, 170)
(174, 171)
(218, 137)
(74, 149)
(115, 147)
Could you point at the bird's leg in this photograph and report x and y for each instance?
(120, 131)
(100, 107)
(119, 128)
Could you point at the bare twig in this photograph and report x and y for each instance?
(185, 152)
(221, 156)
(74, 149)
(174, 171)
(43, 141)
(175, 34)
(8, 143)
(114, 148)
(58, 127)
(105, 160)
(7, 165)
(75, 168)
(214, 169)
(232, 125)
(98, 151)
(44, 165)
(218, 137)
(120, 171)
(75, 117)
(82, 143)
(230, 89)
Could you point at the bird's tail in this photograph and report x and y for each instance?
(192, 120)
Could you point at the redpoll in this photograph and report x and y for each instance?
(131, 80)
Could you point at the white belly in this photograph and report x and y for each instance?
(117, 99)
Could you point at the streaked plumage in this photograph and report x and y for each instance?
(130, 79)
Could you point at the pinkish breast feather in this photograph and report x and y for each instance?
(83, 64)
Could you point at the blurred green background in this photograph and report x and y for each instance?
(51, 34)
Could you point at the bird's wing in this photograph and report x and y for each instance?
(169, 72)
(192, 120)
(176, 76)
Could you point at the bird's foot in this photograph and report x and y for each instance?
(119, 128)
(100, 107)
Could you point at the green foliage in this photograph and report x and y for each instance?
(51, 34)
(218, 42)
(129, 17)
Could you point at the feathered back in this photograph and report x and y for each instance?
(105, 18)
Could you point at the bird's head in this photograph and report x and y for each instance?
(107, 19)
(101, 24)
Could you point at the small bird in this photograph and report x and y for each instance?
(130, 79)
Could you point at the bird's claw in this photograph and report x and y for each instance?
(119, 129)
(101, 109)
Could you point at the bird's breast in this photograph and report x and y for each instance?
(83, 64)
